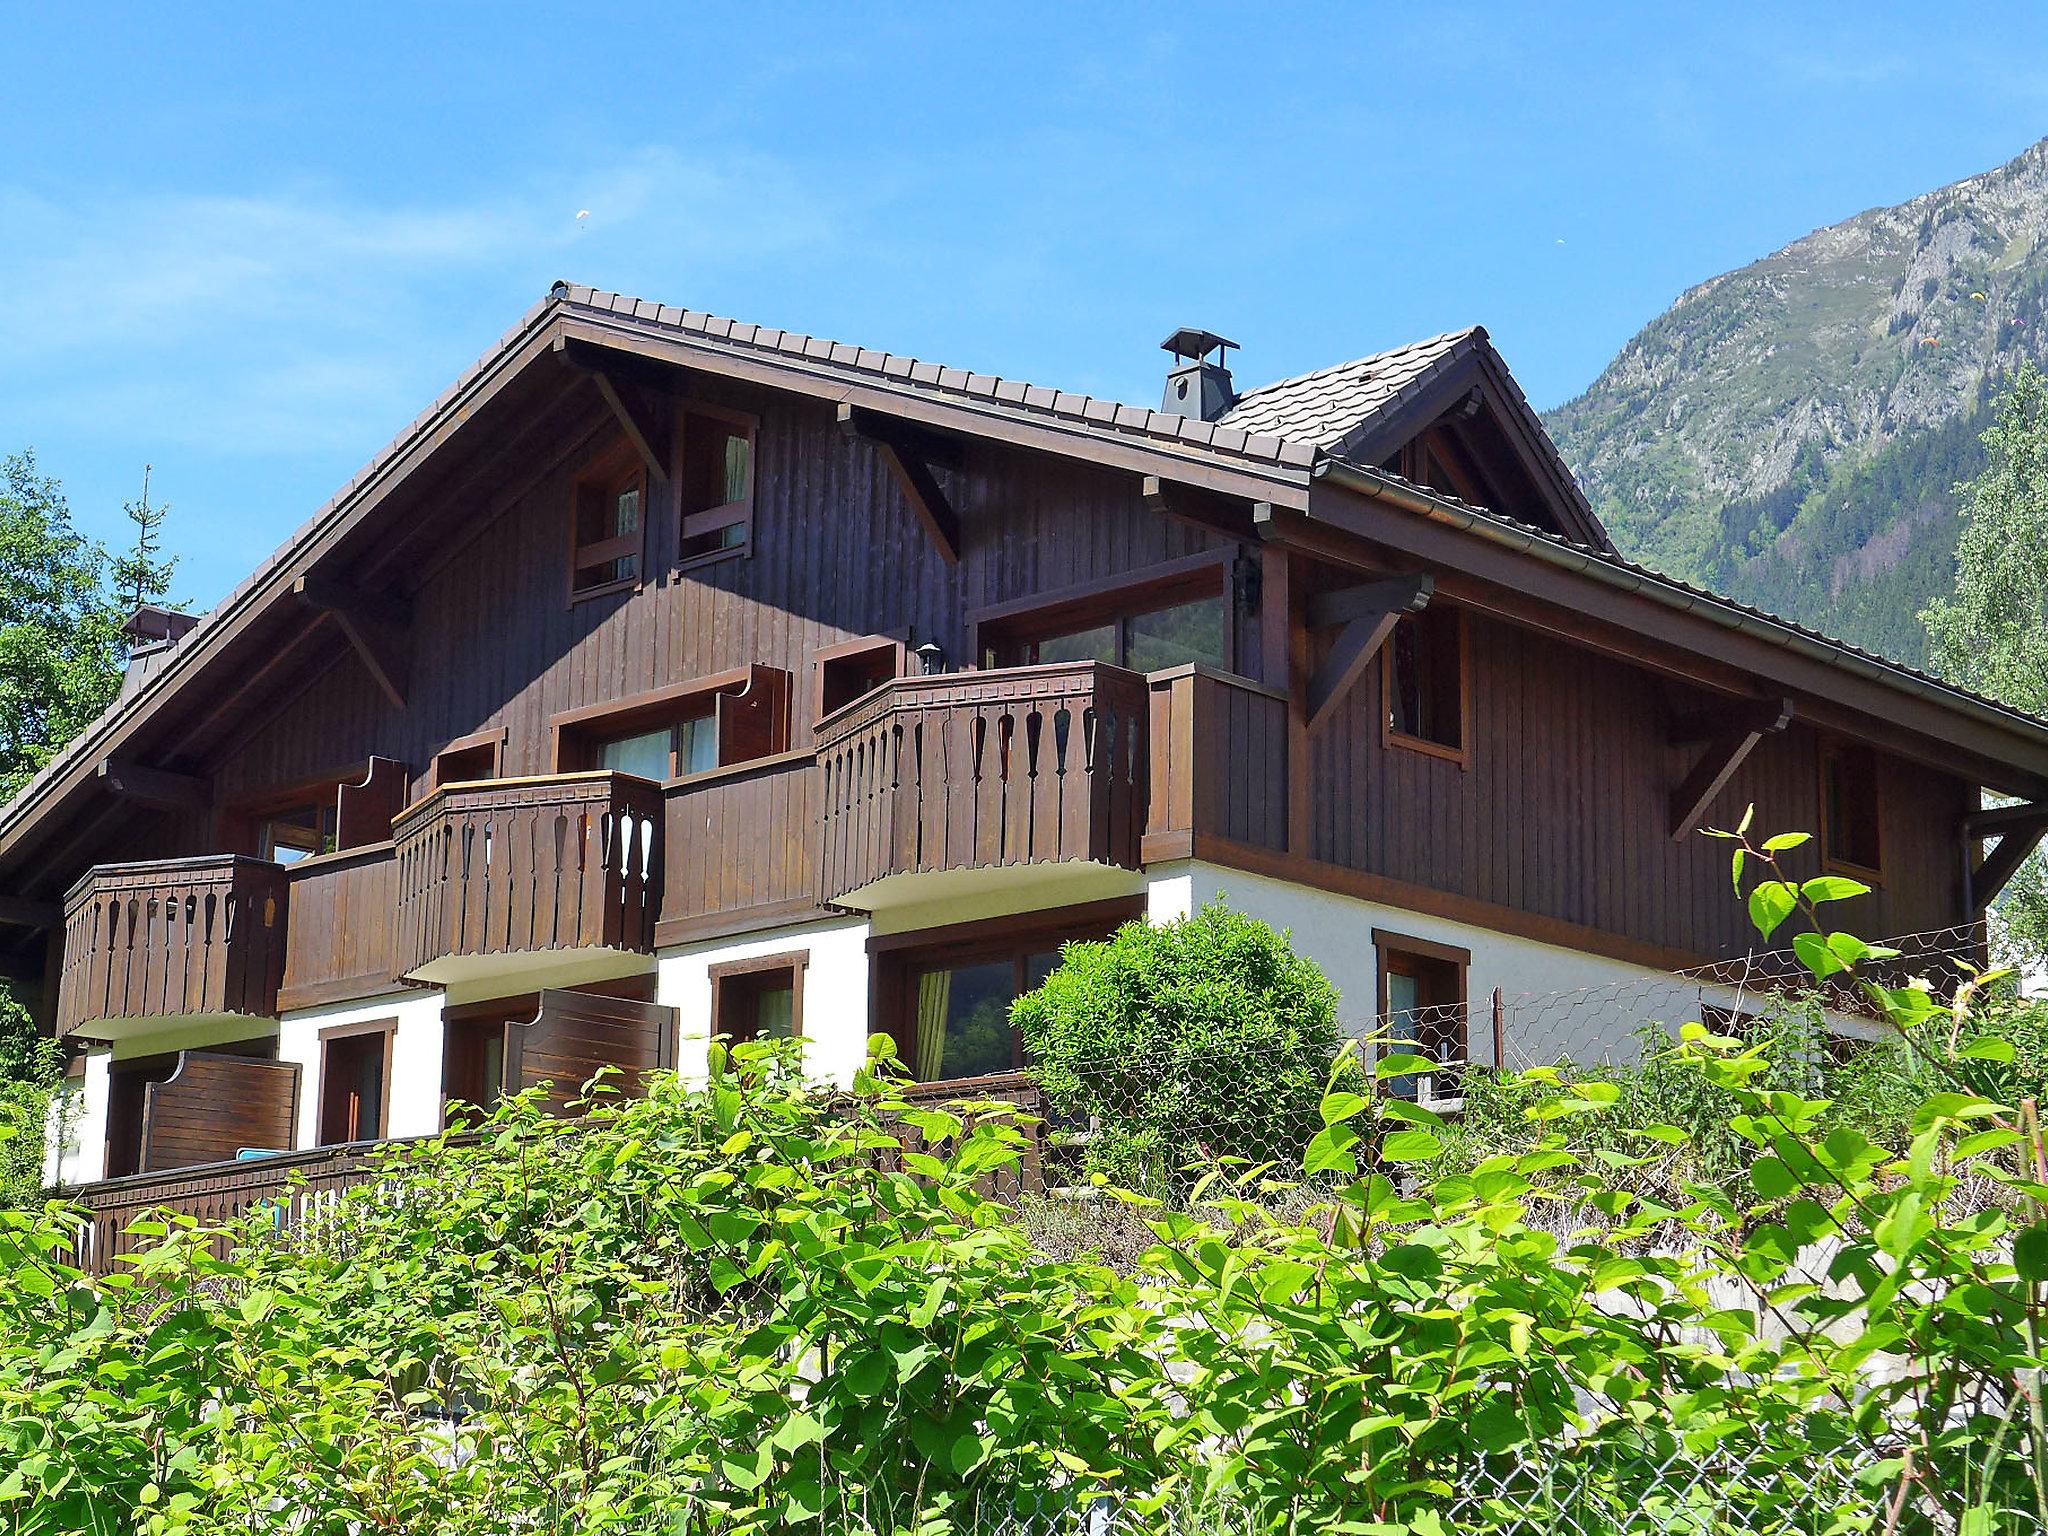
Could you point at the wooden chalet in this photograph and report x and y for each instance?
(671, 675)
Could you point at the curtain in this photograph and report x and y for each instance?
(934, 995)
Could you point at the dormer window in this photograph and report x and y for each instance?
(611, 524)
(717, 484)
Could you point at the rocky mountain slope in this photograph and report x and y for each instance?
(1789, 433)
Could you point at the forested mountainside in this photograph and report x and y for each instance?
(1789, 433)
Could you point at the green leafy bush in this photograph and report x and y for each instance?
(750, 1306)
(1207, 1036)
(31, 1070)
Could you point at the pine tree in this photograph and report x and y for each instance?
(143, 575)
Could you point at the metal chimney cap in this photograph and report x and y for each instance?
(1194, 343)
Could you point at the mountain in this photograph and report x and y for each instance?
(1789, 433)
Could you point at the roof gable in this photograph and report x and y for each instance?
(1367, 409)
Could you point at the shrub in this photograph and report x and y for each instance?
(31, 1069)
(1184, 1041)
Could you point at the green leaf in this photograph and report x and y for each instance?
(1814, 953)
(2030, 1253)
(1773, 1180)
(1779, 842)
(1833, 888)
(1770, 904)
(1988, 1049)
(1340, 1106)
(1409, 1147)
(1331, 1150)
(1402, 1064)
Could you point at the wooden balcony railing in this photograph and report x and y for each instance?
(172, 938)
(1219, 762)
(507, 866)
(1025, 765)
(338, 946)
(214, 1195)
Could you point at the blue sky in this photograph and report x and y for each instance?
(247, 246)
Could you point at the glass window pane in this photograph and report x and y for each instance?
(697, 744)
(1172, 637)
(738, 466)
(963, 1021)
(1038, 967)
(645, 754)
(775, 1013)
(626, 512)
(1097, 644)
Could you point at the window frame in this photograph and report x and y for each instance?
(1029, 621)
(1428, 960)
(605, 476)
(731, 979)
(1389, 737)
(1832, 749)
(493, 739)
(576, 734)
(895, 958)
(328, 1037)
(895, 646)
(708, 520)
(241, 822)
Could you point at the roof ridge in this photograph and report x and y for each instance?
(1446, 339)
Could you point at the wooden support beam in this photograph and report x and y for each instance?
(1196, 506)
(643, 428)
(1741, 728)
(158, 788)
(21, 912)
(2002, 863)
(1368, 613)
(910, 461)
(2019, 829)
(1402, 594)
(376, 626)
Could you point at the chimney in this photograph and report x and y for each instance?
(150, 626)
(1198, 385)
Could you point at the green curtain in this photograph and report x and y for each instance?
(934, 995)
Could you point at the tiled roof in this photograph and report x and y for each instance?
(1325, 408)
(891, 369)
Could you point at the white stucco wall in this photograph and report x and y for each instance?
(835, 1019)
(1557, 1002)
(415, 1059)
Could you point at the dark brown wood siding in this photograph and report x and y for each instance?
(1564, 809)
(214, 1106)
(575, 1034)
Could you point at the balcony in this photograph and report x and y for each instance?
(188, 939)
(929, 782)
(505, 875)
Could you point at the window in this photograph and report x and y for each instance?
(855, 667)
(1148, 624)
(468, 759)
(299, 831)
(759, 999)
(717, 484)
(1424, 677)
(472, 1062)
(1849, 810)
(688, 745)
(671, 733)
(355, 1081)
(946, 995)
(611, 518)
(1422, 1010)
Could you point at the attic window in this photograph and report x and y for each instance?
(1425, 683)
(1849, 810)
(611, 524)
(717, 484)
